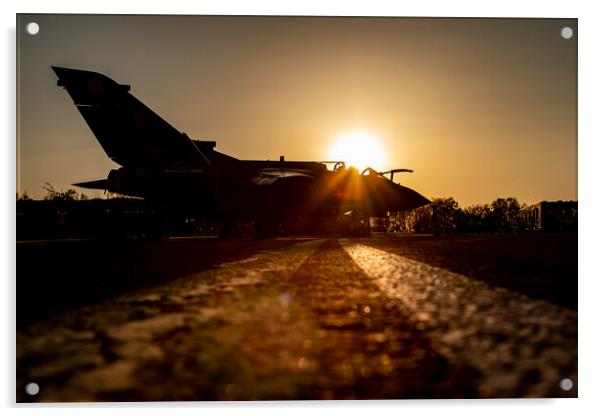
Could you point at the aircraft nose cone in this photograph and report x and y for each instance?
(421, 200)
(385, 195)
(407, 198)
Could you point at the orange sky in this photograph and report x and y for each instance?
(479, 108)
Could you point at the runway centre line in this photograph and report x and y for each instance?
(516, 342)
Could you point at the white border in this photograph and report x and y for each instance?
(590, 135)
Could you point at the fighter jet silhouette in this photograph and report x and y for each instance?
(163, 165)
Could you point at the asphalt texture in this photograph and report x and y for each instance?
(374, 318)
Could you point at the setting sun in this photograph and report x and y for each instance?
(358, 149)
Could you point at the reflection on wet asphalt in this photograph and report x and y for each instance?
(314, 320)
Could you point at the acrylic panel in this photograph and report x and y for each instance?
(295, 208)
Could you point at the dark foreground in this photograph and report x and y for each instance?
(298, 318)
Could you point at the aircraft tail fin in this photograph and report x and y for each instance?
(129, 132)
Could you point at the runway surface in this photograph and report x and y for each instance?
(295, 319)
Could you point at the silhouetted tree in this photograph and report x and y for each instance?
(23, 197)
(441, 216)
(504, 215)
(445, 215)
(475, 219)
(68, 195)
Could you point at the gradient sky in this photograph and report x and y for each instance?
(479, 108)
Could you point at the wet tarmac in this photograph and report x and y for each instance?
(287, 319)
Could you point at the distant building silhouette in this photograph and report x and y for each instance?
(551, 216)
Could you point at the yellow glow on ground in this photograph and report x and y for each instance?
(359, 149)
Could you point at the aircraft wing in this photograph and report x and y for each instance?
(129, 132)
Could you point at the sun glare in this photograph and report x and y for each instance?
(358, 149)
